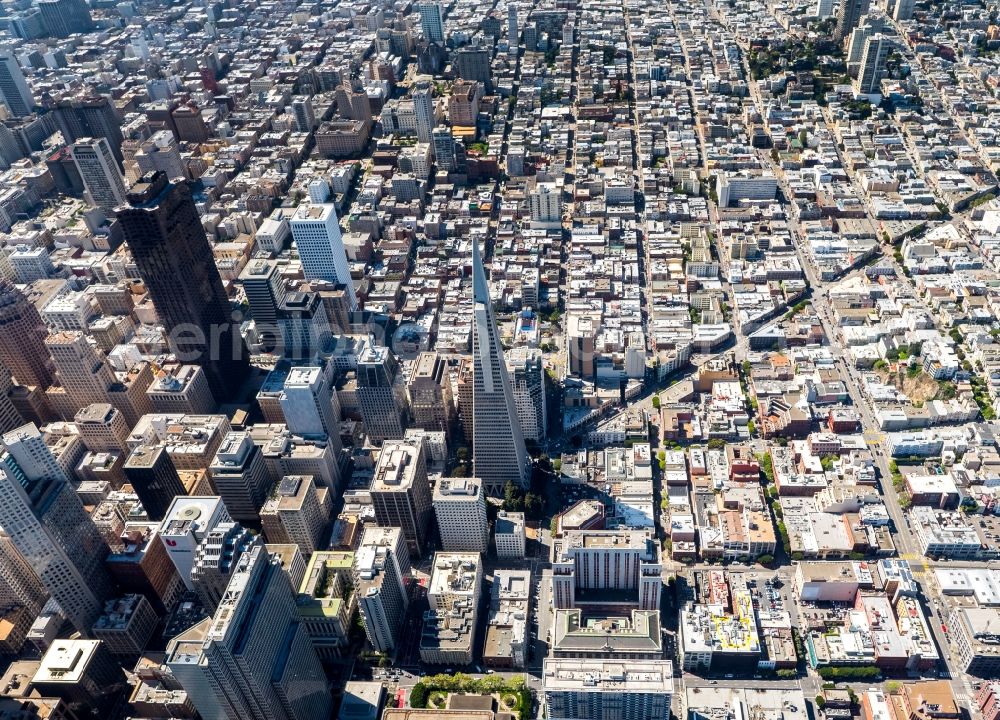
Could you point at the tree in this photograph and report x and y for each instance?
(462, 454)
(893, 686)
(766, 465)
(513, 498)
(820, 701)
(656, 402)
(765, 559)
(849, 672)
(533, 505)
(419, 695)
(460, 471)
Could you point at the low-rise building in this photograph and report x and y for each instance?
(508, 535)
(507, 629)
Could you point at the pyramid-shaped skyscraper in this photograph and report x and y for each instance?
(498, 452)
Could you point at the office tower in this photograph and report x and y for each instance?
(14, 90)
(190, 124)
(380, 396)
(159, 152)
(10, 418)
(624, 561)
(189, 521)
(498, 452)
(512, 34)
(473, 63)
(465, 393)
(181, 390)
(463, 103)
(265, 291)
(90, 117)
(450, 625)
(903, 10)
(309, 404)
(381, 567)
(288, 454)
(531, 36)
(22, 339)
(353, 105)
(401, 492)
(527, 373)
(316, 232)
(431, 21)
(297, 512)
(264, 287)
(11, 151)
(240, 477)
(153, 477)
(175, 261)
(460, 509)
(19, 583)
(849, 13)
(430, 394)
(82, 673)
(303, 325)
(873, 64)
(102, 428)
(302, 110)
(62, 18)
(326, 602)
(83, 371)
(444, 149)
(142, 565)
(105, 186)
(50, 528)
(253, 660)
(215, 559)
(126, 626)
(423, 109)
(576, 689)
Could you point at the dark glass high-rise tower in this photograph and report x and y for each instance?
(163, 231)
(849, 13)
(63, 18)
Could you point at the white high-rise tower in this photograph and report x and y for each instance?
(99, 171)
(50, 528)
(423, 108)
(316, 232)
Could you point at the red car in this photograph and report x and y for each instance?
(944, 628)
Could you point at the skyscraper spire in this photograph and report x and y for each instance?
(498, 452)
